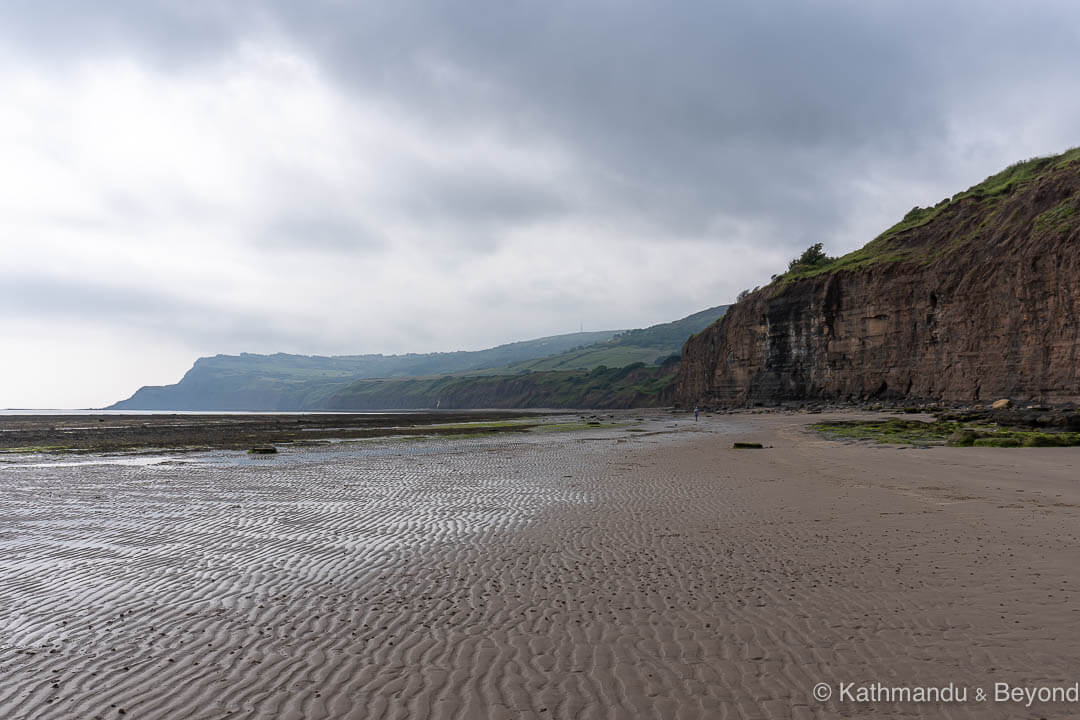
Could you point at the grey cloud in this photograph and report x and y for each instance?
(163, 31)
(465, 205)
(675, 111)
(327, 231)
(482, 198)
(680, 111)
(45, 298)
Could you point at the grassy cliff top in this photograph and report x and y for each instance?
(918, 239)
(651, 345)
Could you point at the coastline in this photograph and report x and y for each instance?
(590, 574)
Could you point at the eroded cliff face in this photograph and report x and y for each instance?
(981, 302)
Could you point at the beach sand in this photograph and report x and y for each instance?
(595, 574)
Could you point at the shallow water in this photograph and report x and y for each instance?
(13, 462)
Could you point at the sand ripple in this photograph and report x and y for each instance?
(545, 577)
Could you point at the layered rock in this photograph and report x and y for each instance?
(975, 299)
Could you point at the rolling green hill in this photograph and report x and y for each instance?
(302, 382)
(299, 382)
(651, 346)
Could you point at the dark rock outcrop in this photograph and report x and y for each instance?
(975, 299)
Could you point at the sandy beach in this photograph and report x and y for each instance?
(632, 572)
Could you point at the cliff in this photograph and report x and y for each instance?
(971, 300)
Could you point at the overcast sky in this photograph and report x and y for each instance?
(184, 177)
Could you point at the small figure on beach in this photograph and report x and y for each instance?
(695, 413)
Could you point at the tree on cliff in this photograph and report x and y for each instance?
(811, 258)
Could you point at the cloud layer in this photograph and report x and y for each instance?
(187, 178)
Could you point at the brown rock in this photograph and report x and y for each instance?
(1002, 404)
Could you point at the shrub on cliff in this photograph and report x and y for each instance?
(812, 257)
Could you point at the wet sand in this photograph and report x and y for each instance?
(595, 574)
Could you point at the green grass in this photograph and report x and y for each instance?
(1060, 214)
(888, 247)
(955, 434)
(1024, 438)
(994, 442)
(595, 356)
(1019, 174)
(874, 252)
(892, 431)
(650, 346)
(36, 449)
(916, 217)
(482, 425)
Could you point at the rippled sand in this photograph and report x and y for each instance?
(599, 574)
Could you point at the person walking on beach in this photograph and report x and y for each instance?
(695, 413)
